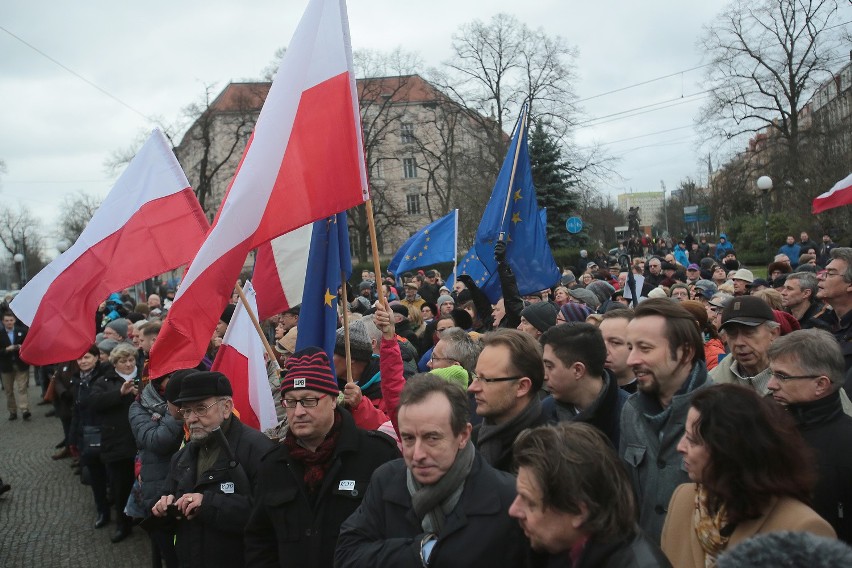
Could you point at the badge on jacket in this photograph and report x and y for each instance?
(227, 487)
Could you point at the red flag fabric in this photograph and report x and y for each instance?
(304, 162)
(149, 223)
(279, 271)
(837, 196)
(240, 358)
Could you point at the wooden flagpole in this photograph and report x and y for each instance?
(345, 298)
(371, 222)
(257, 327)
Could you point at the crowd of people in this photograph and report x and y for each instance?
(670, 410)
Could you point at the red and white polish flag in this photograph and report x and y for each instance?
(304, 162)
(279, 271)
(837, 196)
(150, 223)
(240, 358)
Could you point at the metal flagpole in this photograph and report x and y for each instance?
(522, 124)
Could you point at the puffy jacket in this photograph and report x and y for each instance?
(286, 527)
(215, 536)
(158, 436)
(117, 441)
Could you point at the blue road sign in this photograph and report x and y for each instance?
(574, 225)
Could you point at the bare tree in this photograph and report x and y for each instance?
(21, 233)
(77, 211)
(210, 150)
(384, 92)
(766, 58)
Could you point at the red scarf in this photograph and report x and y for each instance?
(316, 463)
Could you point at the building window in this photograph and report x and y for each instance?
(379, 169)
(406, 133)
(412, 203)
(409, 168)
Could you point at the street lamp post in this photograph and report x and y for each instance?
(764, 184)
(22, 260)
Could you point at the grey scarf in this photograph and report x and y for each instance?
(153, 401)
(432, 503)
(496, 439)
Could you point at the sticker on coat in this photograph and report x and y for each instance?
(227, 487)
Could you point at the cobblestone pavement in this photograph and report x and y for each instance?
(47, 519)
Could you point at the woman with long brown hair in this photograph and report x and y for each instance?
(752, 474)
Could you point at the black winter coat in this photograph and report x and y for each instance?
(215, 536)
(636, 551)
(106, 400)
(286, 528)
(828, 431)
(83, 414)
(385, 533)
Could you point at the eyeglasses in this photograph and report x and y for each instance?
(784, 378)
(433, 358)
(307, 402)
(497, 380)
(200, 411)
(828, 274)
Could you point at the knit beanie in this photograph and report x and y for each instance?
(603, 290)
(657, 293)
(572, 311)
(360, 345)
(119, 326)
(455, 374)
(310, 369)
(542, 315)
(444, 299)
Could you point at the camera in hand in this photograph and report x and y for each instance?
(137, 381)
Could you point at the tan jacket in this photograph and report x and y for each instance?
(681, 544)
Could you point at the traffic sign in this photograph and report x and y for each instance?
(574, 225)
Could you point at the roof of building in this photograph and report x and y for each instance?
(248, 96)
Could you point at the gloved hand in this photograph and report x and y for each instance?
(500, 251)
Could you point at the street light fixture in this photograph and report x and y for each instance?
(22, 260)
(764, 184)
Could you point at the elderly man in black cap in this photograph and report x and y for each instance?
(212, 478)
(316, 477)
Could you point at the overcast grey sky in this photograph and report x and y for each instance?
(155, 57)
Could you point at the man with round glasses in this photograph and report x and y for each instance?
(212, 478)
(316, 477)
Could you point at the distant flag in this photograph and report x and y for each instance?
(304, 162)
(329, 257)
(279, 271)
(837, 196)
(512, 215)
(434, 243)
(150, 223)
(240, 358)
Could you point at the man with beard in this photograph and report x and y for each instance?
(667, 358)
(212, 478)
(575, 502)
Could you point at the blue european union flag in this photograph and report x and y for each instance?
(513, 214)
(434, 243)
(328, 257)
(472, 266)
